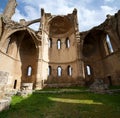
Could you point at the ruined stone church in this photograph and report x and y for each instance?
(58, 54)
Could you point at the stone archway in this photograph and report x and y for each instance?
(28, 57)
(93, 52)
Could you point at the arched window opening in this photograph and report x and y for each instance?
(88, 70)
(50, 43)
(49, 70)
(69, 70)
(58, 44)
(67, 42)
(109, 48)
(29, 71)
(59, 71)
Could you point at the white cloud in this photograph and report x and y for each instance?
(35, 26)
(56, 7)
(31, 12)
(18, 15)
(88, 17)
(108, 0)
(108, 10)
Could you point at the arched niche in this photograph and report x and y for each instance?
(93, 45)
(28, 57)
(89, 45)
(20, 51)
(60, 25)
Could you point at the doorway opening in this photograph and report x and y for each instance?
(110, 80)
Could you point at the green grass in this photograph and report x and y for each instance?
(114, 87)
(65, 88)
(64, 105)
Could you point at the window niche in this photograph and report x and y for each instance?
(67, 42)
(29, 71)
(88, 69)
(50, 43)
(108, 45)
(59, 71)
(49, 70)
(58, 44)
(69, 71)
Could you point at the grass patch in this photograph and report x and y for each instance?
(114, 87)
(64, 105)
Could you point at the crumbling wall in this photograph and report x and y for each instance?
(104, 65)
(10, 9)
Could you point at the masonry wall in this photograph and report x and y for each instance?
(101, 48)
(57, 52)
(12, 67)
(112, 68)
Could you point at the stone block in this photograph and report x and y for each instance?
(4, 104)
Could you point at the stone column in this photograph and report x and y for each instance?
(10, 9)
(82, 74)
(39, 82)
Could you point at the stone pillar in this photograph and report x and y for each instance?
(10, 9)
(39, 82)
(82, 74)
(80, 62)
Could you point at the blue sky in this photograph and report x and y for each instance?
(90, 12)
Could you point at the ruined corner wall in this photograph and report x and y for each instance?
(104, 63)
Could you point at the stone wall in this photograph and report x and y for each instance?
(99, 55)
(3, 80)
(4, 104)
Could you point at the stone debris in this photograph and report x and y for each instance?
(4, 101)
(98, 86)
(4, 104)
(24, 93)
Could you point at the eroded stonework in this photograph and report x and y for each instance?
(58, 55)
